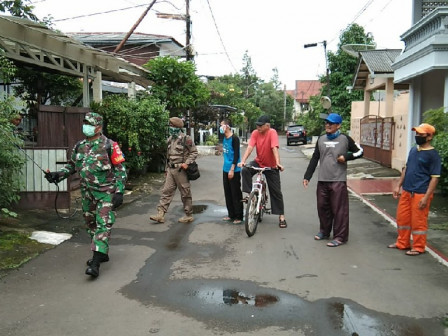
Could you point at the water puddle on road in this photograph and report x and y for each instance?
(235, 297)
(198, 209)
(231, 306)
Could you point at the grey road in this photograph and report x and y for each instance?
(209, 278)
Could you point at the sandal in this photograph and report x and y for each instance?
(394, 246)
(227, 219)
(335, 243)
(237, 221)
(320, 236)
(282, 224)
(413, 253)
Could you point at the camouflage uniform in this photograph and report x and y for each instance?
(177, 154)
(102, 175)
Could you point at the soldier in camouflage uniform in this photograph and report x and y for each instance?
(181, 152)
(99, 162)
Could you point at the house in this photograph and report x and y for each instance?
(34, 45)
(379, 126)
(139, 48)
(303, 91)
(423, 64)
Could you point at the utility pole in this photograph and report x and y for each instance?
(118, 48)
(187, 19)
(188, 32)
(284, 107)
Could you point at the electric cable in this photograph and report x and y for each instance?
(220, 38)
(99, 13)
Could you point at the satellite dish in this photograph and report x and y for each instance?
(354, 49)
(326, 102)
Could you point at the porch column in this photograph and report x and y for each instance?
(414, 114)
(97, 87)
(85, 88)
(389, 97)
(445, 95)
(131, 90)
(366, 102)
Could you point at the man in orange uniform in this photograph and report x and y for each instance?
(419, 179)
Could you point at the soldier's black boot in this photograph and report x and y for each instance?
(94, 268)
(104, 258)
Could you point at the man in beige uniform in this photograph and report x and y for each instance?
(181, 152)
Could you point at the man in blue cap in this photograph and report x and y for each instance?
(333, 150)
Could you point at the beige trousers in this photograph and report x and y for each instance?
(176, 179)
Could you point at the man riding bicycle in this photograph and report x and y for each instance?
(265, 139)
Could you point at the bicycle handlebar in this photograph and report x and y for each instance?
(259, 168)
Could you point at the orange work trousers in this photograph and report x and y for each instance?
(411, 220)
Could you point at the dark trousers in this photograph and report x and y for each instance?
(275, 188)
(332, 208)
(233, 195)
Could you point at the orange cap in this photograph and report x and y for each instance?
(424, 128)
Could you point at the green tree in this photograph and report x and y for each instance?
(176, 85)
(342, 67)
(231, 90)
(311, 120)
(19, 8)
(7, 68)
(40, 88)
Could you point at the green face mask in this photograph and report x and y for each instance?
(174, 131)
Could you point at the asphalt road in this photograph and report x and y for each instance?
(209, 278)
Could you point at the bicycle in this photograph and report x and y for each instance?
(256, 202)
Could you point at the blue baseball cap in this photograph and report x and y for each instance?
(334, 118)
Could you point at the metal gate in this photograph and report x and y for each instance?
(377, 139)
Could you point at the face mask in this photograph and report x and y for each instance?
(222, 129)
(174, 131)
(420, 140)
(334, 135)
(88, 130)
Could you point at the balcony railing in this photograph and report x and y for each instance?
(435, 23)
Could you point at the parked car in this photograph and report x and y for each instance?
(296, 133)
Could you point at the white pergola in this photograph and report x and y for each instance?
(30, 43)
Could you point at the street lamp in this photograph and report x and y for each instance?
(324, 43)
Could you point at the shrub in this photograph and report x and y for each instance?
(138, 125)
(11, 159)
(439, 119)
(212, 140)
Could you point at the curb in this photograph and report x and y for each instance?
(439, 256)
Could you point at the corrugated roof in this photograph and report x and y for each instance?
(380, 61)
(116, 37)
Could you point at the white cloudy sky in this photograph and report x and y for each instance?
(273, 32)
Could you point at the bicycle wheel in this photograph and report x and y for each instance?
(251, 221)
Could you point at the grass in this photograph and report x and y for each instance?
(16, 248)
(439, 226)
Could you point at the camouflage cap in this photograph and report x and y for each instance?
(93, 119)
(176, 122)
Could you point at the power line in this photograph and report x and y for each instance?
(220, 38)
(99, 13)
(360, 12)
